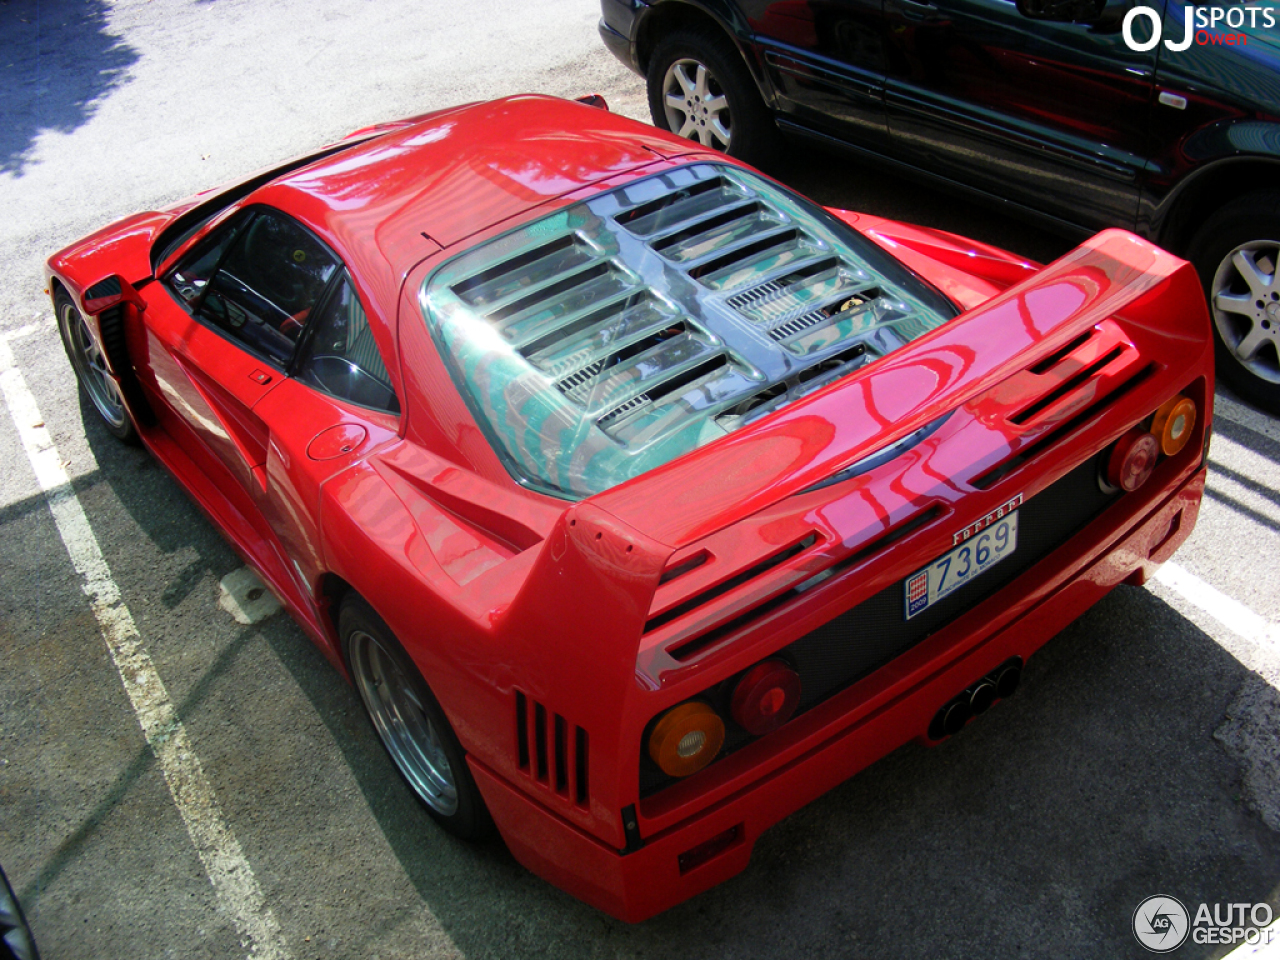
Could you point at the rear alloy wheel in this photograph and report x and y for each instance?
(1237, 254)
(90, 365)
(410, 723)
(700, 89)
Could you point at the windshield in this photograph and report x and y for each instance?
(616, 334)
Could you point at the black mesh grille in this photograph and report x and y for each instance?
(868, 636)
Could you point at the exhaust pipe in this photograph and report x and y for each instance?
(976, 699)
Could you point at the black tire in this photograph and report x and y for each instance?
(1237, 254)
(89, 363)
(706, 66)
(408, 720)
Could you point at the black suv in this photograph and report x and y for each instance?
(1051, 106)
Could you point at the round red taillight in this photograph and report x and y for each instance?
(1132, 460)
(765, 697)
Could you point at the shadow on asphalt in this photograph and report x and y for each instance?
(56, 61)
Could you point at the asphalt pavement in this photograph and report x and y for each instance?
(1140, 757)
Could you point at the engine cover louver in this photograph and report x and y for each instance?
(652, 318)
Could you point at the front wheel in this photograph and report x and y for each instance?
(700, 89)
(90, 365)
(1237, 254)
(409, 722)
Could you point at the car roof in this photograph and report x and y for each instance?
(388, 203)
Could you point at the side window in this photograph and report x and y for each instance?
(340, 356)
(267, 274)
(189, 278)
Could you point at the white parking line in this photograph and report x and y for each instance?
(1236, 412)
(219, 851)
(1232, 614)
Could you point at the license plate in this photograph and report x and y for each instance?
(959, 566)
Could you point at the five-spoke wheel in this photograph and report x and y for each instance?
(700, 89)
(91, 370)
(410, 722)
(1237, 253)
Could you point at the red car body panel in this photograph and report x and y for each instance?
(553, 633)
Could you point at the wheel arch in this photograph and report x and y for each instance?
(724, 18)
(1200, 195)
(331, 591)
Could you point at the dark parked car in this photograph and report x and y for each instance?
(1044, 105)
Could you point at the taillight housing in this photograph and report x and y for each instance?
(1173, 424)
(686, 738)
(1132, 460)
(765, 697)
(1134, 456)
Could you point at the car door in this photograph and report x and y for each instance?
(827, 64)
(337, 406)
(1052, 115)
(226, 326)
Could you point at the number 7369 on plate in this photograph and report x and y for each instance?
(958, 566)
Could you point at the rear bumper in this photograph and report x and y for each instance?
(715, 843)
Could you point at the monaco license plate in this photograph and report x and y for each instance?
(959, 566)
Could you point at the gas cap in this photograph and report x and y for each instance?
(336, 441)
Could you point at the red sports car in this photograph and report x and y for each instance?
(642, 499)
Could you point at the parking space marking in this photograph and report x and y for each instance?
(1232, 614)
(219, 850)
(1236, 412)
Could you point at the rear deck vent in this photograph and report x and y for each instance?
(706, 596)
(832, 363)
(488, 285)
(1055, 358)
(800, 324)
(550, 292)
(708, 231)
(690, 648)
(1083, 375)
(673, 207)
(685, 566)
(665, 386)
(1032, 450)
(550, 750)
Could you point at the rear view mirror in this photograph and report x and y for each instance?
(110, 292)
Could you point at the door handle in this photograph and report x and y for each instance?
(918, 10)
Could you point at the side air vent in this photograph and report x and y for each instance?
(551, 750)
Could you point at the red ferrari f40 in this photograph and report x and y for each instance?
(642, 499)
